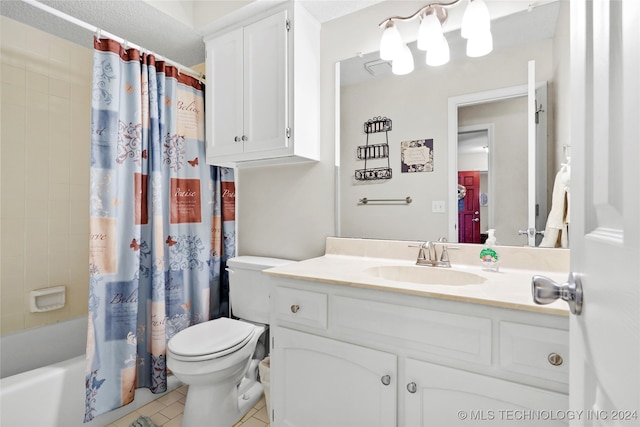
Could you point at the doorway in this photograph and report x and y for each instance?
(469, 207)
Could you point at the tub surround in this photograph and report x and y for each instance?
(346, 262)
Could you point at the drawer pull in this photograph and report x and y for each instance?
(386, 380)
(555, 359)
(295, 308)
(412, 387)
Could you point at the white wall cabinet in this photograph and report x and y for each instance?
(345, 356)
(262, 97)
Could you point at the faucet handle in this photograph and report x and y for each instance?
(421, 254)
(444, 256)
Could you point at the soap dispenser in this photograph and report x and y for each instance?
(488, 255)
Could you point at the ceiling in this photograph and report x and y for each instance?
(150, 23)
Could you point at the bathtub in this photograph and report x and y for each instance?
(54, 395)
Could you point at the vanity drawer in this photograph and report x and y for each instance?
(534, 350)
(450, 335)
(300, 307)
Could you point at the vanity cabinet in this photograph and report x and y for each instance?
(327, 382)
(262, 98)
(349, 356)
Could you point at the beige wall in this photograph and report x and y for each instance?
(44, 181)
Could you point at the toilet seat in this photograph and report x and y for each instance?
(210, 340)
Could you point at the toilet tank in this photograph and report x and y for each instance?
(249, 289)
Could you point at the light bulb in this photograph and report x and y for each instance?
(476, 19)
(429, 32)
(403, 63)
(440, 54)
(480, 44)
(391, 43)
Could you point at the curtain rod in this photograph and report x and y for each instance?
(94, 29)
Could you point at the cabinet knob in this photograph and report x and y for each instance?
(386, 380)
(236, 139)
(295, 308)
(412, 387)
(555, 359)
(244, 138)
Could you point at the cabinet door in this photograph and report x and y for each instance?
(452, 397)
(265, 84)
(319, 382)
(224, 94)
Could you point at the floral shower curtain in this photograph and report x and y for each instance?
(161, 223)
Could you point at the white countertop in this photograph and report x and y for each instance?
(508, 288)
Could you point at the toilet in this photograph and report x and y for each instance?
(216, 358)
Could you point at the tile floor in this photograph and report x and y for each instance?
(166, 411)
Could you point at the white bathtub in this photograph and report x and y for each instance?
(54, 396)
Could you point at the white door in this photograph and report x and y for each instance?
(327, 383)
(531, 153)
(605, 214)
(265, 84)
(439, 396)
(224, 94)
(536, 155)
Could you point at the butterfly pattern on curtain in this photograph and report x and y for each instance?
(162, 223)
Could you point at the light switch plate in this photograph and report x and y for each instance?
(437, 206)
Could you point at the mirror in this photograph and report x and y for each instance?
(417, 105)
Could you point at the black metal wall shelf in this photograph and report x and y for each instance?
(375, 151)
(377, 124)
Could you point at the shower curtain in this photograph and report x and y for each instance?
(161, 223)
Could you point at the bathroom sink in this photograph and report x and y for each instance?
(425, 275)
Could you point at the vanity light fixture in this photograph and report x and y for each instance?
(476, 28)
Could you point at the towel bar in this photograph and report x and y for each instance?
(365, 201)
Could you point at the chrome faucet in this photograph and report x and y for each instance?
(428, 254)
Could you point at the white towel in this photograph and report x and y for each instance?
(556, 234)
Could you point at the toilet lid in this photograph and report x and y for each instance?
(215, 338)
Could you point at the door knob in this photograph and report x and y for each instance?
(546, 291)
(475, 219)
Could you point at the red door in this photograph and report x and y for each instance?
(469, 207)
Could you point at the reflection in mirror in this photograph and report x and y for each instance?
(417, 105)
(496, 186)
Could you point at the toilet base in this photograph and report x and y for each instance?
(220, 406)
